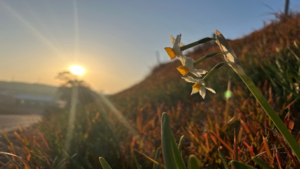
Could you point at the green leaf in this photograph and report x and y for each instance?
(155, 166)
(177, 155)
(193, 162)
(167, 148)
(239, 165)
(261, 163)
(171, 154)
(223, 159)
(103, 163)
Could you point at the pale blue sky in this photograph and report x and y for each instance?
(116, 41)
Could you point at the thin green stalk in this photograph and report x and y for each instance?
(180, 143)
(271, 113)
(157, 153)
(135, 160)
(213, 70)
(206, 57)
(222, 156)
(196, 43)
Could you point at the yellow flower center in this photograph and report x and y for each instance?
(183, 70)
(196, 86)
(170, 52)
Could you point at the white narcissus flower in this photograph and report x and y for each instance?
(175, 51)
(199, 86)
(188, 66)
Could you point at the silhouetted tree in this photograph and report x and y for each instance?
(85, 94)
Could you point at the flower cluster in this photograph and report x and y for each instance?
(188, 67)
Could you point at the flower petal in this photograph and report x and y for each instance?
(172, 39)
(176, 46)
(183, 70)
(170, 52)
(189, 63)
(202, 92)
(182, 59)
(181, 44)
(194, 91)
(196, 86)
(211, 90)
(198, 72)
(189, 79)
(177, 41)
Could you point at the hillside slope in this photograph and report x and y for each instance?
(280, 34)
(14, 88)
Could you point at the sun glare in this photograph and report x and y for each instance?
(77, 70)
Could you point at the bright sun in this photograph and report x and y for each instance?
(77, 70)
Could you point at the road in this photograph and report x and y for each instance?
(11, 122)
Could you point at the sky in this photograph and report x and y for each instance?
(117, 42)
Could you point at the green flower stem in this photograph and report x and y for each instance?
(196, 43)
(271, 113)
(206, 57)
(212, 71)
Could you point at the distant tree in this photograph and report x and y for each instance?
(85, 94)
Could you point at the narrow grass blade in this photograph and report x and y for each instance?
(244, 126)
(155, 165)
(103, 163)
(155, 161)
(193, 162)
(261, 163)
(177, 155)
(235, 147)
(267, 148)
(135, 160)
(239, 165)
(180, 143)
(222, 142)
(223, 159)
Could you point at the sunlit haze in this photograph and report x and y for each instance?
(117, 43)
